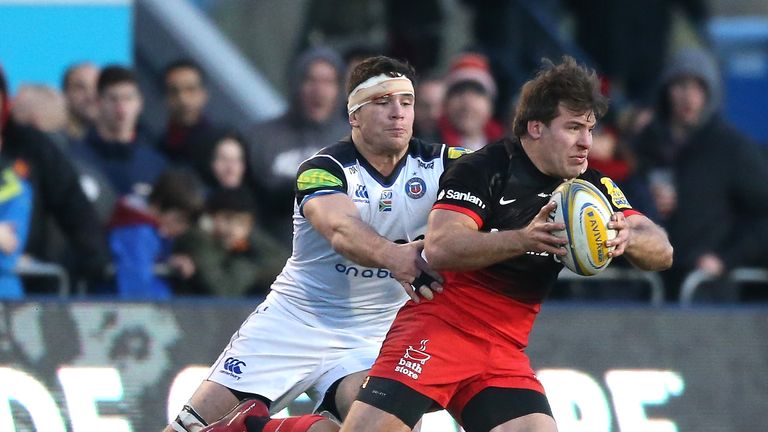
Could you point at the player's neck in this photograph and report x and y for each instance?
(384, 160)
(533, 152)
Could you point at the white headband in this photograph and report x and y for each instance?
(376, 87)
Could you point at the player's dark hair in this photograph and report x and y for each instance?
(185, 63)
(575, 86)
(114, 74)
(374, 66)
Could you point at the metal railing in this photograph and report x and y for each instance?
(34, 268)
(697, 278)
(616, 274)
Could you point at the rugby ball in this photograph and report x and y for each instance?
(585, 211)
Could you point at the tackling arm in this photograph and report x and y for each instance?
(337, 219)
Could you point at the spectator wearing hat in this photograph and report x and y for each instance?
(709, 182)
(235, 258)
(468, 108)
(313, 120)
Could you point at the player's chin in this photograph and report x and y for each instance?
(576, 167)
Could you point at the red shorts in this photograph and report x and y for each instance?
(465, 340)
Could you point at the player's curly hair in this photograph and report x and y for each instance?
(575, 86)
(374, 66)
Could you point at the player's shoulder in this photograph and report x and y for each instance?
(342, 152)
(426, 151)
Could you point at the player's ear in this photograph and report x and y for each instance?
(534, 128)
(353, 120)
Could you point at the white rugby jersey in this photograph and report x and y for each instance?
(323, 287)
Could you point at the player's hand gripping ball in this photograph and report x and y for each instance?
(585, 211)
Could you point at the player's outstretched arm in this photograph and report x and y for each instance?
(338, 220)
(453, 241)
(644, 243)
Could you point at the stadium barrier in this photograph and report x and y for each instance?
(41, 269)
(695, 280)
(126, 366)
(621, 274)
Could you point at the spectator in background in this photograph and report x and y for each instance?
(15, 212)
(41, 107)
(15, 216)
(629, 40)
(58, 198)
(114, 145)
(468, 110)
(710, 183)
(228, 164)
(236, 259)
(428, 108)
(313, 120)
(79, 88)
(189, 137)
(142, 231)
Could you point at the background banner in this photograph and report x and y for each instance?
(88, 366)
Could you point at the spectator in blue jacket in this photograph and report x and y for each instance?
(143, 229)
(115, 145)
(15, 214)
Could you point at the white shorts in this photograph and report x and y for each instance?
(277, 356)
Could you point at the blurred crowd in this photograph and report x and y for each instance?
(202, 209)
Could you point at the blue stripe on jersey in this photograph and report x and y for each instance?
(316, 194)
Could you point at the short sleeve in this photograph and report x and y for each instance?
(465, 188)
(319, 175)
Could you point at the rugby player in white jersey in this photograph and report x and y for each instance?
(360, 215)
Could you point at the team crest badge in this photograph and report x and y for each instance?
(415, 188)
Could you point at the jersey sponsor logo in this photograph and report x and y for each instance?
(412, 362)
(385, 202)
(317, 178)
(617, 196)
(456, 152)
(503, 202)
(361, 194)
(426, 165)
(365, 273)
(415, 188)
(461, 196)
(232, 367)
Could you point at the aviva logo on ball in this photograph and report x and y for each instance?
(596, 233)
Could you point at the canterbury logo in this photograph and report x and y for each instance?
(361, 192)
(233, 365)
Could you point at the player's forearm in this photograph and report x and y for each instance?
(357, 241)
(649, 247)
(465, 249)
